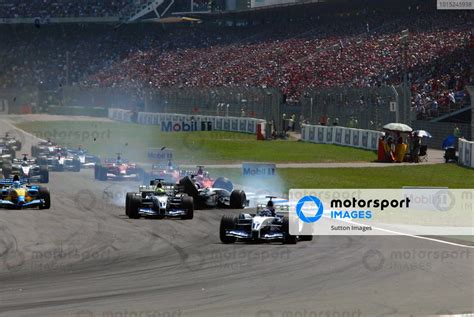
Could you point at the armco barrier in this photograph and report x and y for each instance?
(466, 153)
(120, 114)
(359, 138)
(78, 111)
(173, 122)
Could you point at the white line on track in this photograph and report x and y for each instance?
(408, 235)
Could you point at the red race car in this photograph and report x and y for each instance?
(119, 169)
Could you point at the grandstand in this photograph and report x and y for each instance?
(318, 46)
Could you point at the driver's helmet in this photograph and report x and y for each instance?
(270, 205)
(200, 171)
(159, 189)
(16, 184)
(24, 163)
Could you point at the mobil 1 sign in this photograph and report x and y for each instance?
(258, 169)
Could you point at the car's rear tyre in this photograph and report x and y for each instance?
(44, 174)
(96, 171)
(224, 183)
(189, 187)
(188, 204)
(289, 239)
(41, 161)
(135, 203)
(227, 223)
(101, 173)
(238, 199)
(34, 150)
(76, 165)
(7, 170)
(46, 196)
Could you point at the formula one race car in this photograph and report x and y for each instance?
(269, 223)
(26, 168)
(60, 162)
(200, 177)
(10, 142)
(86, 159)
(7, 152)
(16, 193)
(117, 169)
(45, 148)
(158, 200)
(168, 173)
(220, 195)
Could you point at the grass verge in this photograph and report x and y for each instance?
(132, 140)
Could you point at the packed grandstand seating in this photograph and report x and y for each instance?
(358, 50)
(54, 8)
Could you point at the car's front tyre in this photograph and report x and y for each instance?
(227, 223)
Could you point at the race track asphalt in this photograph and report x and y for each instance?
(84, 258)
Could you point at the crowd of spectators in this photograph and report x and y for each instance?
(54, 8)
(354, 50)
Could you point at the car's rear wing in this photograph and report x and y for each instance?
(114, 161)
(278, 208)
(151, 188)
(9, 181)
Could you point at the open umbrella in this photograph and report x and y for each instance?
(422, 134)
(450, 141)
(400, 127)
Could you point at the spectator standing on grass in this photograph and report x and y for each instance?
(416, 148)
(389, 157)
(283, 118)
(293, 122)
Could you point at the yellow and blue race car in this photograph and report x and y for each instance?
(16, 193)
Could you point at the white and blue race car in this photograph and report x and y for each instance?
(269, 223)
(159, 200)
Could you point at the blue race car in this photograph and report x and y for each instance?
(16, 193)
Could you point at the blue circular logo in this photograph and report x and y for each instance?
(299, 209)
